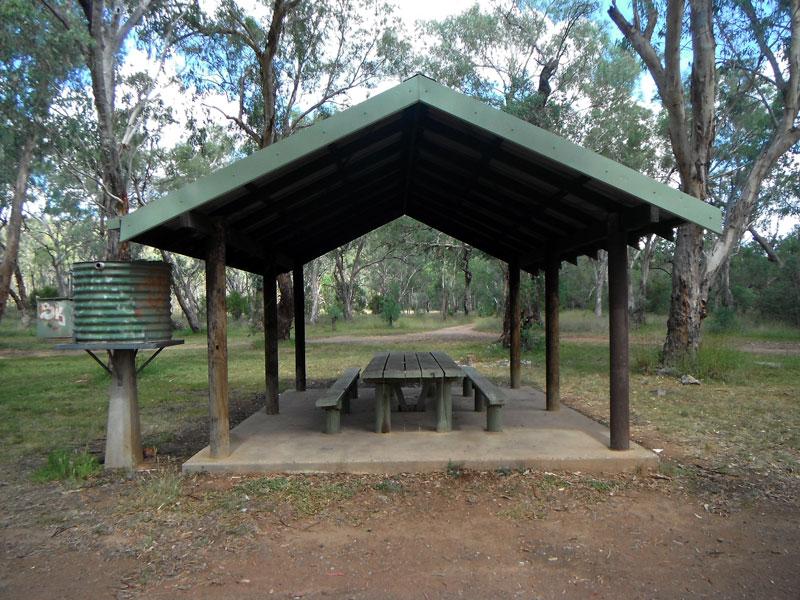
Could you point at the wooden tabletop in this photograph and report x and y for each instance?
(411, 366)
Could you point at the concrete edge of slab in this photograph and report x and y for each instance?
(618, 464)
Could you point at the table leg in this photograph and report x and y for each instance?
(424, 394)
(383, 408)
(448, 403)
(401, 400)
(442, 424)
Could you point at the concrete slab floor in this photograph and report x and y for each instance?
(532, 438)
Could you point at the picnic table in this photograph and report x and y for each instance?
(389, 371)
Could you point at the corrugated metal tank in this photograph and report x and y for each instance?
(121, 301)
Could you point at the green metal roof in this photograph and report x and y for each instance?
(488, 178)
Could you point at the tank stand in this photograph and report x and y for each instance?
(123, 432)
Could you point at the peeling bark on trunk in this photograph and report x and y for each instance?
(600, 275)
(315, 287)
(692, 138)
(688, 299)
(638, 314)
(183, 292)
(285, 306)
(9, 263)
(505, 336)
(467, 302)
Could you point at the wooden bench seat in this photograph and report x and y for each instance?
(337, 399)
(487, 395)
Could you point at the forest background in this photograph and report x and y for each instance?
(107, 105)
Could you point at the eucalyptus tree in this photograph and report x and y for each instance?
(286, 63)
(753, 49)
(104, 29)
(554, 65)
(36, 59)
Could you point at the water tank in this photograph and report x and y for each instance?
(121, 301)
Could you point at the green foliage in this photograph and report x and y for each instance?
(454, 470)
(390, 306)
(63, 465)
(335, 313)
(238, 305)
(531, 337)
(157, 490)
(307, 497)
(723, 320)
(46, 291)
(391, 486)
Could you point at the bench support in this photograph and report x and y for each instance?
(494, 417)
(480, 400)
(333, 420)
(466, 386)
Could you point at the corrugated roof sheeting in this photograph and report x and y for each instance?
(488, 179)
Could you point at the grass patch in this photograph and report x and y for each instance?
(159, 490)
(454, 470)
(63, 465)
(389, 486)
(306, 497)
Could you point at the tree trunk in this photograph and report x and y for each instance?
(183, 293)
(9, 264)
(536, 300)
(600, 272)
(315, 288)
(638, 315)
(465, 257)
(725, 295)
(688, 299)
(505, 336)
(285, 306)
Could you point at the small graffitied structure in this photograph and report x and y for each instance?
(117, 308)
(54, 318)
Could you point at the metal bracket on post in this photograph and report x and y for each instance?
(99, 362)
(149, 360)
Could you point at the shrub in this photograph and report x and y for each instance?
(723, 320)
(63, 465)
(238, 305)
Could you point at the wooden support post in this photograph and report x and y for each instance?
(123, 437)
(552, 350)
(515, 350)
(299, 329)
(271, 341)
(618, 333)
(217, 324)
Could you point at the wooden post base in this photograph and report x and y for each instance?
(480, 400)
(123, 433)
(494, 417)
(333, 420)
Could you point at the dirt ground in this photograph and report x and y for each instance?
(448, 535)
